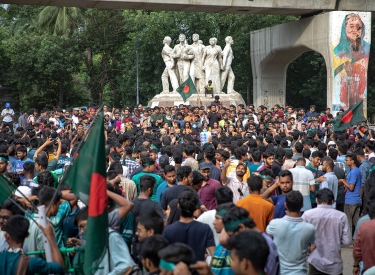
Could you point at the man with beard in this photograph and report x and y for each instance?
(268, 158)
(207, 192)
(285, 182)
(237, 184)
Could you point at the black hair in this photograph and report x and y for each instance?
(82, 215)
(236, 213)
(359, 152)
(316, 154)
(42, 161)
(343, 148)
(149, 248)
(22, 149)
(177, 155)
(371, 209)
(111, 174)
(255, 248)
(268, 154)
(197, 178)
(147, 182)
(306, 153)
(240, 152)
(294, 201)
(223, 195)
(177, 252)
(28, 167)
(325, 195)
(17, 227)
(209, 153)
(286, 173)
(46, 178)
(188, 201)
(257, 156)
(279, 154)
(255, 183)
(10, 206)
(116, 166)
(46, 194)
(168, 168)
(14, 178)
(329, 163)
(333, 153)
(183, 172)
(153, 221)
(189, 150)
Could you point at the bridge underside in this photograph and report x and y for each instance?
(278, 7)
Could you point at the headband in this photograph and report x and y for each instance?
(266, 177)
(233, 224)
(168, 266)
(221, 212)
(372, 168)
(156, 148)
(145, 164)
(4, 159)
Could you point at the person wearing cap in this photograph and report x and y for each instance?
(207, 192)
(148, 169)
(7, 115)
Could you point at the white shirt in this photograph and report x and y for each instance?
(234, 184)
(9, 112)
(208, 218)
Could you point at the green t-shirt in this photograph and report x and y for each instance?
(158, 179)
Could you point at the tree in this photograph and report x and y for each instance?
(59, 20)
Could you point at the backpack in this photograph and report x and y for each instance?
(23, 265)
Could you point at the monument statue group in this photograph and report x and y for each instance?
(201, 63)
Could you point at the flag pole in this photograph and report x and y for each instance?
(23, 210)
(78, 148)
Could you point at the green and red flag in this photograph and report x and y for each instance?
(6, 188)
(87, 178)
(352, 116)
(186, 89)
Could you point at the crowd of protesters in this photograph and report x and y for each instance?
(195, 190)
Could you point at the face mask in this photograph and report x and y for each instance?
(204, 130)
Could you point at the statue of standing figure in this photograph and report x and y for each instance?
(169, 70)
(227, 65)
(201, 63)
(183, 53)
(213, 64)
(196, 72)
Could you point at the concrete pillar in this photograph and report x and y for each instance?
(273, 49)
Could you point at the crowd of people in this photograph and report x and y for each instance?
(194, 190)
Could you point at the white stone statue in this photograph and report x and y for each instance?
(212, 64)
(169, 70)
(183, 53)
(196, 72)
(227, 66)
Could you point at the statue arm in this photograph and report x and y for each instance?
(220, 58)
(204, 58)
(225, 54)
(174, 53)
(190, 53)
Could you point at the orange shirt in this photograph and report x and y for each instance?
(260, 210)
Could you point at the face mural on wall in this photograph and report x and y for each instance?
(350, 58)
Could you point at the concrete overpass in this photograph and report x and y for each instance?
(277, 7)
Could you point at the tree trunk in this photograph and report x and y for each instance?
(61, 92)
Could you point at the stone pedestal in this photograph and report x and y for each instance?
(174, 99)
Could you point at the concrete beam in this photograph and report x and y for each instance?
(279, 7)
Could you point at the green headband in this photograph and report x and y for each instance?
(168, 266)
(221, 212)
(145, 164)
(372, 168)
(233, 224)
(4, 159)
(156, 148)
(265, 177)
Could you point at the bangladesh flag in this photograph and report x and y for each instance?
(87, 178)
(186, 89)
(6, 188)
(352, 116)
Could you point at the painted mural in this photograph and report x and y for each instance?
(351, 39)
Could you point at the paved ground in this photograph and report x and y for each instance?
(347, 257)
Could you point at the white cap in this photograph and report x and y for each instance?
(25, 190)
(289, 143)
(331, 143)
